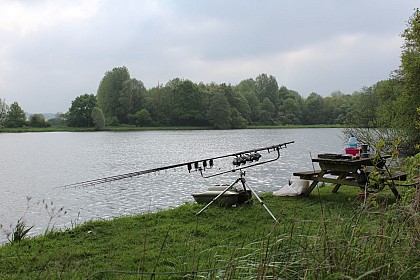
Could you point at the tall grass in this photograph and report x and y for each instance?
(328, 236)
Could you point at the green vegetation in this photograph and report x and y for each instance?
(98, 118)
(325, 236)
(409, 100)
(15, 116)
(80, 112)
(38, 120)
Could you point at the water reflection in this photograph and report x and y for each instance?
(34, 163)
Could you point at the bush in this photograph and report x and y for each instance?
(98, 118)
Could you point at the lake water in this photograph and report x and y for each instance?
(33, 165)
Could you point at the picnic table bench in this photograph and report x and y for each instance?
(344, 170)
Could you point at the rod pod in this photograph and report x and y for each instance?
(245, 186)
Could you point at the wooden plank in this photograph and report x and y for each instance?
(306, 173)
(397, 176)
(347, 182)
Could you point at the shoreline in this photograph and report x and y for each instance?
(135, 128)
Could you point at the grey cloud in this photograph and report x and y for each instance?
(220, 41)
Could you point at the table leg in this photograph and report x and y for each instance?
(314, 182)
(340, 177)
(394, 190)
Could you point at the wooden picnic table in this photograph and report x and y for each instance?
(351, 172)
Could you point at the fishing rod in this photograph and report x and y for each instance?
(240, 159)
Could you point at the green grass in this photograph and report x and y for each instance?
(324, 236)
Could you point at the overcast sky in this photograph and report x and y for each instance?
(53, 51)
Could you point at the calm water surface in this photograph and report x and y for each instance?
(33, 165)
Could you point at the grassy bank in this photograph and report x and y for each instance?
(325, 236)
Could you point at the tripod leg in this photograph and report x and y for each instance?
(219, 195)
(248, 198)
(259, 199)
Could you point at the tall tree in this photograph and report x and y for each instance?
(236, 100)
(364, 108)
(290, 112)
(158, 102)
(248, 89)
(290, 107)
(387, 93)
(15, 117)
(98, 118)
(266, 86)
(110, 89)
(189, 104)
(313, 108)
(80, 112)
(237, 120)
(410, 68)
(247, 86)
(130, 99)
(3, 111)
(219, 112)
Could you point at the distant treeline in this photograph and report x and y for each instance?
(125, 101)
(122, 100)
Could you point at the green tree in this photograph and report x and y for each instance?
(15, 117)
(237, 101)
(247, 86)
(337, 108)
(109, 92)
(267, 111)
(219, 112)
(290, 107)
(237, 120)
(80, 112)
(248, 89)
(3, 111)
(290, 112)
(158, 102)
(38, 120)
(387, 93)
(189, 104)
(363, 112)
(98, 118)
(313, 109)
(142, 118)
(130, 99)
(409, 100)
(266, 86)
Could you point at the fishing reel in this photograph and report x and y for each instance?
(243, 159)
